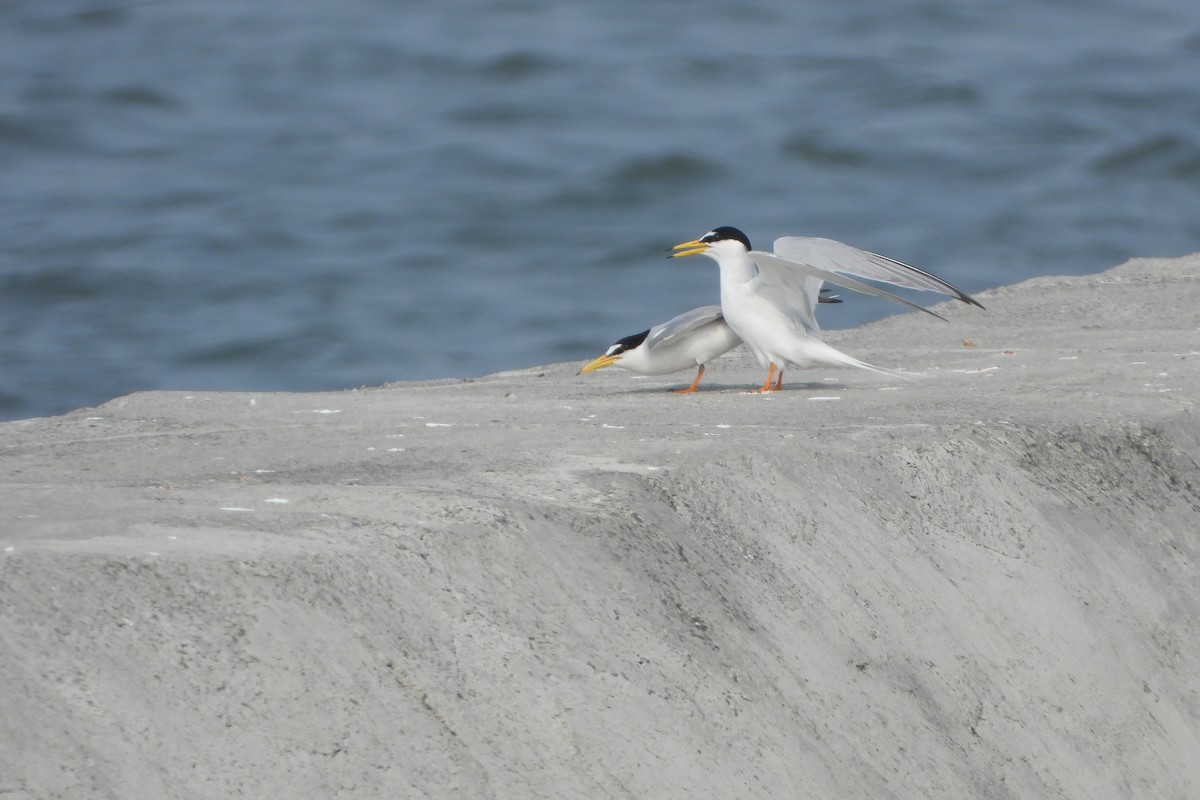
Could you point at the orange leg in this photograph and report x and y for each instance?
(695, 383)
(779, 380)
(766, 387)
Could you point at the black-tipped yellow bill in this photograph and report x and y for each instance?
(692, 248)
(599, 363)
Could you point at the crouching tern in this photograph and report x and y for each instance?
(767, 299)
(691, 339)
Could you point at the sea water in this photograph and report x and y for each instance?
(309, 195)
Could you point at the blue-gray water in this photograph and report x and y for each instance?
(313, 195)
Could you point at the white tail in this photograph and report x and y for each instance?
(816, 353)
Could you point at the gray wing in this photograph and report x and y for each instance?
(845, 259)
(785, 281)
(679, 326)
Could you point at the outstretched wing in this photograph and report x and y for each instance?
(845, 259)
(679, 326)
(783, 281)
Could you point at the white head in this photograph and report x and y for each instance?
(618, 350)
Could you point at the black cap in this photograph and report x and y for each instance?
(725, 232)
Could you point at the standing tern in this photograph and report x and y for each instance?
(768, 298)
(691, 339)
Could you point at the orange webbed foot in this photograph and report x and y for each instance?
(695, 383)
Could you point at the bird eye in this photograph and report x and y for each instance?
(726, 233)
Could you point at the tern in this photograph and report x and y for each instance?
(691, 339)
(767, 299)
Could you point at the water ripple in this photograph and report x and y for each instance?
(231, 195)
(1163, 156)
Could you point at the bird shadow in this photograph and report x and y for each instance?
(727, 388)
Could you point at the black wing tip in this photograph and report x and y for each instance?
(954, 290)
(933, 313)
(963, 297)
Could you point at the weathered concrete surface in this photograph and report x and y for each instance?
(536, 585)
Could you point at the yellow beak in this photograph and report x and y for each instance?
(599, 363)
(694, 247)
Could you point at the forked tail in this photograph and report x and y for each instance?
(834, 357)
